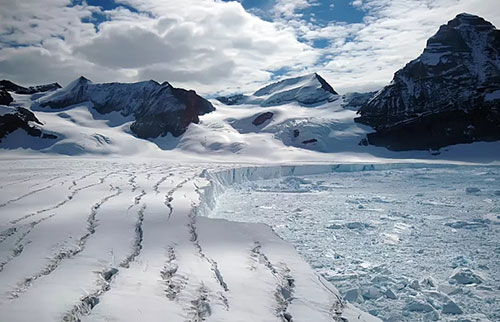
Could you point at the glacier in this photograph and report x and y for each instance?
(93, 239)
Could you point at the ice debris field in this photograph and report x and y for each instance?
(408, 244)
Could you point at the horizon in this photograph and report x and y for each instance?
(222, 47)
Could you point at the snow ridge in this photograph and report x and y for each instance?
(307, 90)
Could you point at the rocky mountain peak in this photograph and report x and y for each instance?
(308, 90)
(458, 72)
(158, 108)
(310, 81)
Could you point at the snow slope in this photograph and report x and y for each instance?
(307, 90)
(286, 132)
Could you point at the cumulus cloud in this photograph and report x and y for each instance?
(214, 46)
(288, 9)
(123, 46)
(210, 45)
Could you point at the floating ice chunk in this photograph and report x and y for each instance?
(436, 299)
(372, 293)
(380, 279)
(390, 294)
(357, 225)
(475, 223)
(429, 282)
(472, 190)
(400, 286)
(398, 214)
(451, 308)
(353, 296)
(417, 305)
(334, 226)
(467, 276)
(459, 261)
(415, 285)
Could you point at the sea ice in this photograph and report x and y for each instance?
(409, 244)
(467, 276)
(452, 308)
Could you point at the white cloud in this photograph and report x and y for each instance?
(288, 8)
(365, 56)
(214, 46)
(207, 45)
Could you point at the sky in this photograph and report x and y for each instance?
(221, 47)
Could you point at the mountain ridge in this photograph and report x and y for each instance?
(306, 90)
(459, 70)
(158, 108)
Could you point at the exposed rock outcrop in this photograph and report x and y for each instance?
(448, 95)
(20, 118)
(158, 108)
(12, 87)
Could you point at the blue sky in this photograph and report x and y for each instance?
(221, 46)
(322, 12)
(106, 5)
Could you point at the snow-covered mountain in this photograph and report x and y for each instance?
(7, 86)
(15, 118)
(158, 109)
(450, 94)
(306, 90)
(447, 97)
(18, 89)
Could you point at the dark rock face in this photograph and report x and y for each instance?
(12, 87)
(5, 98)
(259, 120)
(438, 130)
(448, 95)
(158, 108)
(232, 100)
(20, 119)
(356, 100)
